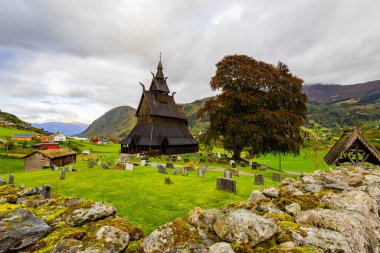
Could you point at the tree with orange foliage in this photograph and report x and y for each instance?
(260, 108)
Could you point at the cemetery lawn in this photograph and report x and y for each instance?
(141, 195)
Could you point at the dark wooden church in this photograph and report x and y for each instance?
(352, 148)
(162, 127)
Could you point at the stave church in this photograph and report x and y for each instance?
(162, 126)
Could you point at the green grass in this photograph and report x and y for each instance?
(6, 132)
(140, 196)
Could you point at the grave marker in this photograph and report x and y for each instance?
(250, 163)
(153, 165)
(46, 190)
(11, 179)
(55, 167)
(176, 172)
(186, 160)
(144, 163)
(243, 165)
(200, 172)
(168, 180)
(174, 158)
(105, 166)
(184, 172)
(232, 161)
(63, 174)
(233, 165)
(228, 174)
(129, 166)
(254, 166)
(202, 160)
(161, 169)
(226, 184)
(90, 165)
(263, 167)
(259, 179)
(70, 168)
(179, 158)
(169, 165)
(276, 177)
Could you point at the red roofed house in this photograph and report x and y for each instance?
(45, 158)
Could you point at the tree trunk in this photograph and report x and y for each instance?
(236, 155)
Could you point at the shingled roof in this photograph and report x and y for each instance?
(352, 140)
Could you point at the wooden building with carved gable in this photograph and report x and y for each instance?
(162, 127)
(352, 148)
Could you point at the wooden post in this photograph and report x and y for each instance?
(279, 161)
(357, 153)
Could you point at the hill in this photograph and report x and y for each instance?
(361, 93)
(68, 128)
(10, 120)
(118, 121)
(332, 106)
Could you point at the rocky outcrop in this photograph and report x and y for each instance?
(327, 211)
(30, 223)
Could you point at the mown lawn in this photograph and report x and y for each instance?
(141, 196)
(8, 132)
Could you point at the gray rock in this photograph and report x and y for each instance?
(359, 230)
(221, 247)
(293, 208)
(271, 192)
(371, 179)
(312, 187)
(327, 240)
(97, 211)
(2, 181)
(3, 200)
(356, 201)
(114, 236)
(339, 186)
(203, 221)
(67, 246)
(310, 179)
(188, 248)
(243, 226)
(270, 208)
(20, 229)
(257, 197)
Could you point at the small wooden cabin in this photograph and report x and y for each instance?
(40, 159)
(352, 148)
(162, 127)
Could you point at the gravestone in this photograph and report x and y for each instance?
(195, 158)
(129, 166)
(202, 160)
(232, 161)
(153, 165)
(186, 160)
(90, 165)
(219, 155)
(161, 169)
(167, 159)
(144, 163)
(99, 162)
(226, 184)
(176, 172)
(233, 165)
(63, 174)
(276, 177)
(179, 158)
(228, 174)
(254, 166)
(184, 172)
(70, 168)
(105, 166)
(46, 190)
(168, 180)
(2, 181)
(109, 163)
(263, 167)
(169, 165)
(204, 169)
(174, 158)
(55, 167)
(200, 172)
(250, 163)
(243, 165)
(11, 179)
(259, 179)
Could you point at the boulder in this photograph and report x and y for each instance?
(68, 246)
(312, 187)
(257, 197)
(356, 201)
(358, 229)
(244, 227)
(203, 221)
(171, 235)
(188, 248)
(97, 211)
(221, 247)
(270, 208)
(20, 229)
(324, 239)
(111, 235)
(293, 208)
(271, 192)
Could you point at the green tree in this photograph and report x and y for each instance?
(260, 108)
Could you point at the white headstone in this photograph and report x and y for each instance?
(143, 162)
(250, 163)
(138, 155)
(70, 168)
(129, 166)
(153, 165)
(219, 155)
(232, 161)
(179, 158)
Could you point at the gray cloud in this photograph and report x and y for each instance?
(95, 52)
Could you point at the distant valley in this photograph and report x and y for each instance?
(68, 128)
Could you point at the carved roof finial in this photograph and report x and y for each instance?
(159, 73)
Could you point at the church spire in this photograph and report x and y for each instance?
(159, 73)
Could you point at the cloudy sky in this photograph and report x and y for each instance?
(73, 60)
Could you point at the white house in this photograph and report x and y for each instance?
(58, 137)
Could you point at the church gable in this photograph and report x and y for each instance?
(353, 148)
